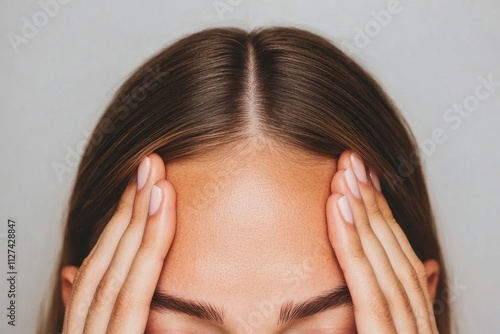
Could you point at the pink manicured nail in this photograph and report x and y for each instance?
(375, 179)
(352, 183)
(345, 209)
(155, 200)
(359, 167)
(143, 172)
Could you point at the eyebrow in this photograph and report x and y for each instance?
(335, 298)
(290, 310)
(166, 302)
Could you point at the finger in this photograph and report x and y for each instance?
(404, 271)
(414, 271)
(394, 292)
(413, 297)
(132, 306)
(149, 172)
(95, 264)
(371, 311)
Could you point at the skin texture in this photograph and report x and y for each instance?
(251, 232)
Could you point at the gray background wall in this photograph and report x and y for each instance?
(430, 56)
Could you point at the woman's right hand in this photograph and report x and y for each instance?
(113, 287)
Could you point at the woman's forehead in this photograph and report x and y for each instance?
(251, 198)
(250, 222)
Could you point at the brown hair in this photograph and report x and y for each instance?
(224, 85)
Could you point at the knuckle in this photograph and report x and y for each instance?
(106, 290)
(414, 279)
(85, 262)
(380, 308)
(399, 295)
(414, 275)
(372, 208)
(137, 217)
(84, 274)
(387, 213)
(420, 269)
(124, 303)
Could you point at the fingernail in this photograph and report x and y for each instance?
(375, 179)
(143, 172)
(359, 167)
(352, 183)
(345, 209)
(155, 200)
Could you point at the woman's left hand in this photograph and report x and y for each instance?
(386, 279)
